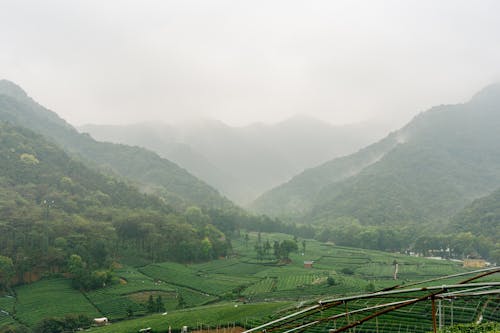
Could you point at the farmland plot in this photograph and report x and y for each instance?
(51, 298)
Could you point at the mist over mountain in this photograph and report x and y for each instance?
(148, 170)
(243, 162)
(426, 171)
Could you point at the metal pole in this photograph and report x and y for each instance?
(434, 327)
(451, 312)
(440, 312)
(347, 315)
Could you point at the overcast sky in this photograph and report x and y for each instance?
(115, 62)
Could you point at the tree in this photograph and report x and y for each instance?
(267, 247)
(276, 249)
(260, 251)
(206, 248)
(6, 272)
(160, 306)
(78, 270)
(130, 311)
(370, 287)
(286, 247)
(195, 216)
(330, 281)
(181, 303)
(151, 306)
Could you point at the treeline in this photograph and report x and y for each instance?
(411, 237)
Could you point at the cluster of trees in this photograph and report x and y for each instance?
(412, 237)
(155, 306)
(458, 245)
(280, 250)
(349, 232)
(84, 278)
(419, 238)
(69, 323)
(264, 223)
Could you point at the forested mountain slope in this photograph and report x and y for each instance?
(52, 207)
(481, 217)
(151, 172)
(430, 169)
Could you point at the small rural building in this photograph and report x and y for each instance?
(145, 330)
(474, 263)
(101, 321)
(308, 264)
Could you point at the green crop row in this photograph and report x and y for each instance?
(51, 298)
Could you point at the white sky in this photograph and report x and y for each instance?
(116, 61)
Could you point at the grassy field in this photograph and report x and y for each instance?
(241, 277)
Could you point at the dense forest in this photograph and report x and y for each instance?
(54, 209)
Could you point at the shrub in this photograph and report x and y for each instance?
(347, 271)
(330, 281)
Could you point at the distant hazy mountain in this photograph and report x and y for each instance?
(428, 170)
(145, 168)
(243, 162)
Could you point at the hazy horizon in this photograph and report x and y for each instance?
(342, 62)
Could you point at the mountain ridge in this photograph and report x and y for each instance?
(459, 141)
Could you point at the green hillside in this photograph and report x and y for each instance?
(297, 196)
(482, 218)
(53, 207)
(147, 169)
(425, 172)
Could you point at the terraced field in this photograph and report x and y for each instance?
(6, 310)
(130, 295)
(49, 298)
(241, 277)
(117, 300)
(211, 283)
(212, 316)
